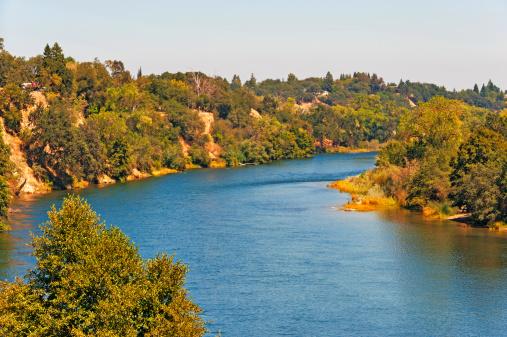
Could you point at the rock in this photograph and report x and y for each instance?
(104, 179)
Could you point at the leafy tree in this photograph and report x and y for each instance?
(291, 79)
(12, 101)
(476, 176)
(199, 156)
(90, 280)
(5, 200)
(118, 72)
(92, 81)
(54, 74)
(479, 193)
(53, 142)
(119, 159)
(376, 83)
(251, 83)
(235, 83)
(328, 82)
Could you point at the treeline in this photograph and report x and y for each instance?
(447, 157)
(96, 119)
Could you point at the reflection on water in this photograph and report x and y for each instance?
(269, 256)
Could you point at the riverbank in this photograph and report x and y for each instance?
(368, 195)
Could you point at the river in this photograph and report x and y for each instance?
(269, 255)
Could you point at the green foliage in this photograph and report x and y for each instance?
(103, 121)
(119, 159)
(54, 142)
(12, 101)
(477, 175)
(90, 280)
(199, 156)
(479, 193)
(54, 74)
(5, 200)
(91, 82)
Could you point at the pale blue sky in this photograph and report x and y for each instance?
(447, 42)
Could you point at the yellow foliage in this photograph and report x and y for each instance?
(430, 212)
(80, 184)
(219, 163)
(499, 225)
(163, 171)
(179, 84)
(350, 185)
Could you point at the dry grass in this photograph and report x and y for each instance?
(163, 171)
(352, 185)
(499, 225)
(365, 196)
(219, 163)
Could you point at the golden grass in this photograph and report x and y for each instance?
(80, 184)
(219, 163)
(430, 212)
(365, 196)
(349, 185)
(499, 225)
(163, 171)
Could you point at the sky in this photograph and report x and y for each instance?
(446, 42)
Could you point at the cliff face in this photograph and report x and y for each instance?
(214, 150)
(25, 178)
(26, 181)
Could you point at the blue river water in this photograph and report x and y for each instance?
(269, 254)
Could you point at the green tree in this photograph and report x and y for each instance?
(235, 83)
(90, 280)
(328, 82)
(291, 78)
(54, 74)
(251, 83)
(12, 101)
(5, 200)
(476, 176)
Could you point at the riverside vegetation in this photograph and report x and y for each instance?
(447, 158)
(67, 123)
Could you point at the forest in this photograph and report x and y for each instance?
(72, 123)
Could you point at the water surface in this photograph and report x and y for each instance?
(270, 256)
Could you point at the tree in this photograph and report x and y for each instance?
(251, 83)
(118, 72)
(235, 83)
(328, 82)
(54, 73)
(291, 78)
(90, 280)
(476, 176)
(5, 200)
(376, 83)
